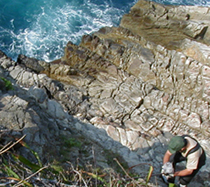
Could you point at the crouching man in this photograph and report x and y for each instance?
(183, 148)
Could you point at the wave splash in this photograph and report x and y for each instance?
(41, 28)
(47, 32)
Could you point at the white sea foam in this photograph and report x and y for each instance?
(47, 31)
(46, 37)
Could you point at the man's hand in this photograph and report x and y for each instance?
(167, 168)
(162, 170)
(166, 178)
(167, 171)
(169, 175)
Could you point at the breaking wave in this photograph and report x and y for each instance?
(42, 28)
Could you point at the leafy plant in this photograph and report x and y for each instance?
(32, 166)
(20, 171)
(72, 142)
(8, 84)
(10, 172)
(33, 152)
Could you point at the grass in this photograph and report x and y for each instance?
(19, 171)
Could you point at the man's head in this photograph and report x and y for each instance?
(176, 144)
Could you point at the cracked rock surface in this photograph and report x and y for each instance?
(123, 89)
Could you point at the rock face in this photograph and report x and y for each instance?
(125, 89)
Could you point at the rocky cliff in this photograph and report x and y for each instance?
(123, 90)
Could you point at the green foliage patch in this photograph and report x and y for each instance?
(20, 171)
(8, 84)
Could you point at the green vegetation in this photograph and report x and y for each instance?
(68, 146)
(20, 171)
(8, 84)
(71, 142)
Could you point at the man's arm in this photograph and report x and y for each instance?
(183, 172)
(166, 157)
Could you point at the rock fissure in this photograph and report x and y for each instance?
(125, 89)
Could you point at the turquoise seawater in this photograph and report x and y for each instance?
(42, 28)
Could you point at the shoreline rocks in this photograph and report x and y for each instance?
(125, 89)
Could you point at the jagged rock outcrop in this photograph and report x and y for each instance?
(126, 89)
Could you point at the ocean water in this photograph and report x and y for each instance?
(42, 28)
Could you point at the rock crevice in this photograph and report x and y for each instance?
(126, 88)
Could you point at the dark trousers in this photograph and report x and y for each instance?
(177, 157)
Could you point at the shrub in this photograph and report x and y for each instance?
(8, 84)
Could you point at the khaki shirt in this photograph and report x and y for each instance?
(192, 158)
